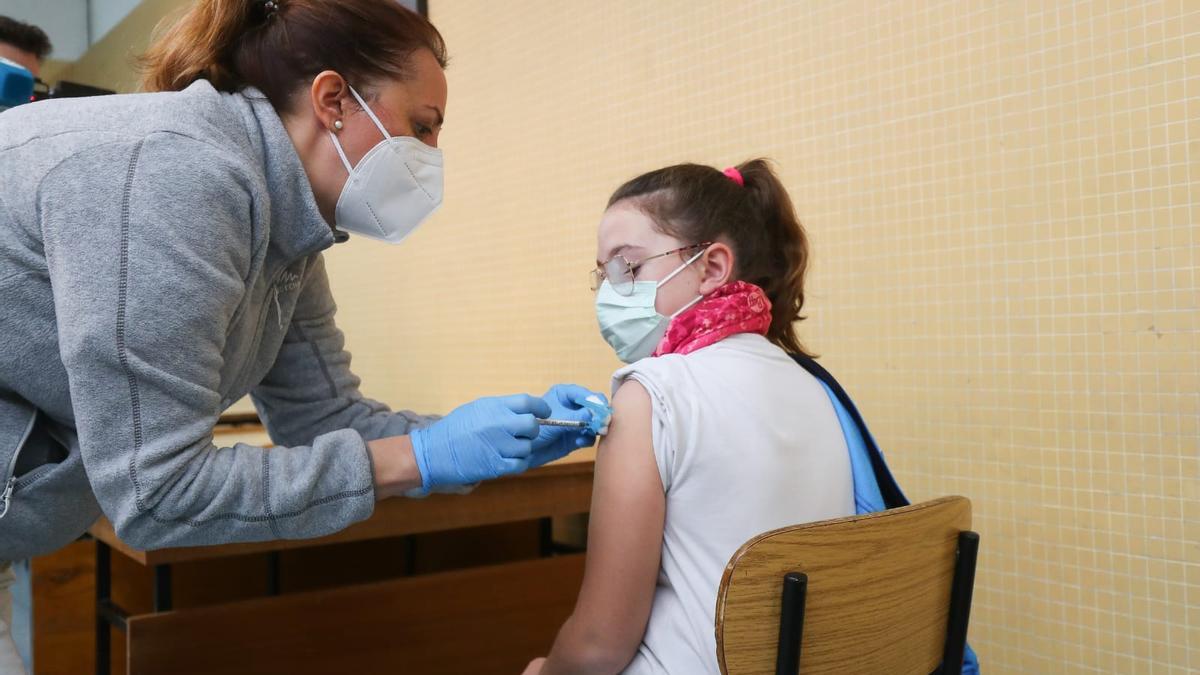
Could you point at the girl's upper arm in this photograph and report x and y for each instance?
(626, 529)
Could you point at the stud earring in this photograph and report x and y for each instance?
(337, 124)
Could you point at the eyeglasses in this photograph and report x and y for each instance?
(620, 271)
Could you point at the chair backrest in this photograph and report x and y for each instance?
(878, 592)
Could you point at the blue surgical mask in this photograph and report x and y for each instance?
(630, 324)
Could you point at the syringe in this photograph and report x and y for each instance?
(601, 413)
(562, 423)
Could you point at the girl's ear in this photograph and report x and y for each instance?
(716, 267)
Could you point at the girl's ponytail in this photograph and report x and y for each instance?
(786, 259)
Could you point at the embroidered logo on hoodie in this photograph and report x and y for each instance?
(288, 281)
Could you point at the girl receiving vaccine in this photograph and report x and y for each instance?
(717, 433)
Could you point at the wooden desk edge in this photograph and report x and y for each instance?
(571, 479)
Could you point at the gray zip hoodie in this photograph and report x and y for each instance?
(159, 259)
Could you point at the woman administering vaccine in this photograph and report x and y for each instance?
(160, 258)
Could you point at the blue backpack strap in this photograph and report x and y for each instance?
(888, 489)
(867, 498)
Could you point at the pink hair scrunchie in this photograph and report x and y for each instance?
(735, 176)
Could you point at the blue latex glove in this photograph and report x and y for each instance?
(566, 403)
(484, 439)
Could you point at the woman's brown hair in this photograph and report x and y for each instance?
(697, 203)
(279, 45)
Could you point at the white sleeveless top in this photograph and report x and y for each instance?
(746, 441)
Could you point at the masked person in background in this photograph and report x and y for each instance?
(23, 44)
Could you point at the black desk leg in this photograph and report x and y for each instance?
(546, 537)
(162, 588)
(410, 555)
(273, 573)
(109, 615)
(103, 600)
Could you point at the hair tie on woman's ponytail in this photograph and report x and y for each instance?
(735, 176)
(262, 12)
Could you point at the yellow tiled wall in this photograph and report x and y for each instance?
(1001, 198)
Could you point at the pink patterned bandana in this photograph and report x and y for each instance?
(736, 307)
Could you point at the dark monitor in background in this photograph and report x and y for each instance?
(64, 89)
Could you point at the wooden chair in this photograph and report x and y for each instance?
(886, 592)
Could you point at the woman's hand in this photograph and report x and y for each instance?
(484, 439)
(535, 666)
(566, 403)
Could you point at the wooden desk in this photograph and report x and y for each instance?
(522, 602)
(559, 489)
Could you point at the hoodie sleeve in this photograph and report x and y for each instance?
(310, 390)
(148, 246)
